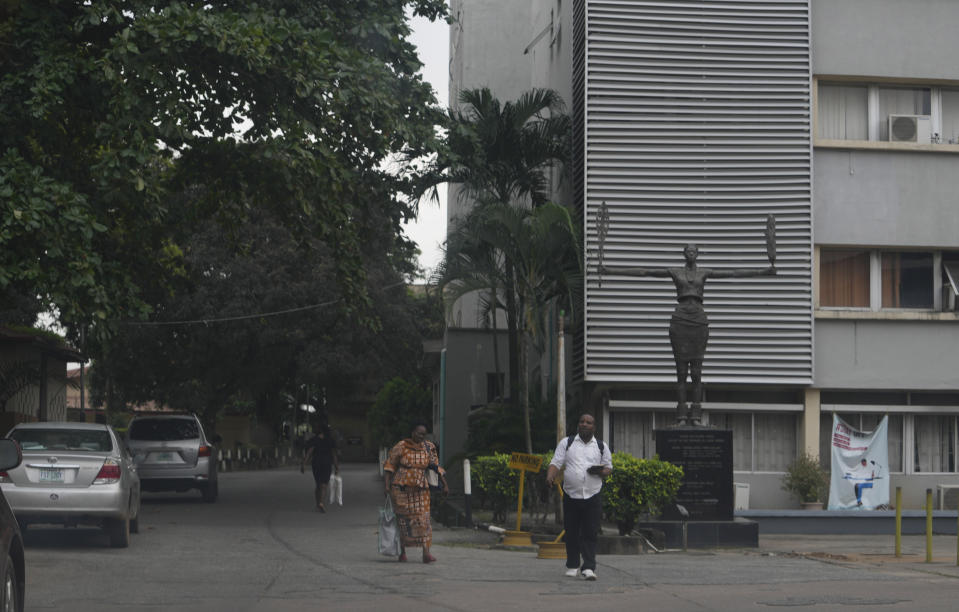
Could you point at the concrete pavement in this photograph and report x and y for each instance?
(263, 547)
(815, 572)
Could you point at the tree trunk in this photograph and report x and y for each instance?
(512, 317)
(496, 364)
(524, 388)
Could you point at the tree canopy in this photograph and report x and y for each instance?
(126, 125)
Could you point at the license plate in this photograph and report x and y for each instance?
(163, 457)
(48, 475)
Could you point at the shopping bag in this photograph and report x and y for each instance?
(389, 532)
(336, 489)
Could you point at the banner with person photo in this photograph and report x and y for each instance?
(860, 478)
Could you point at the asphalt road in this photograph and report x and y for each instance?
(262, 547)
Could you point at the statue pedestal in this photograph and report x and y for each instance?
(706, 456)
(707, 492)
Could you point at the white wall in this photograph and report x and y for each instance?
(885, 38)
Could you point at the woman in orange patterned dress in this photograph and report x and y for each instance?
(405, 481)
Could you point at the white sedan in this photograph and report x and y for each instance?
(73, 474)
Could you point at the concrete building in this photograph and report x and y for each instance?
(693, 121)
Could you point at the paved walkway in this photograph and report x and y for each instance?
(815, 572)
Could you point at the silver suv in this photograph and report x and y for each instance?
(173, 454)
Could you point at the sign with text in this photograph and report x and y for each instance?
(522, 461)
(859, 458)
(706, 456)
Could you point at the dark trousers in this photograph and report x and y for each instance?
(581, 518)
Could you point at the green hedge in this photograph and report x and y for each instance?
(636, 487)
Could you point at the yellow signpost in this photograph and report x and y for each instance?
(524, 463)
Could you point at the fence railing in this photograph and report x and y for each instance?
(257, 458)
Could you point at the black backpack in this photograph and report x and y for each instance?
(569, 442)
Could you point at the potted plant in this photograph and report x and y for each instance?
(806, 479)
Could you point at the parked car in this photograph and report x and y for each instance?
(173, 453)
(74, 474)
(12, 567)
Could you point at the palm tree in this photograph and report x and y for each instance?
(499, 154)
(542, 246)
(472, 265)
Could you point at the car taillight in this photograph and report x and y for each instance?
(4, 477)
(204, 451)
(109, 473)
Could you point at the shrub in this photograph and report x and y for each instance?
(638, 486)
(495, 483)
(806, 479)
(498, 486)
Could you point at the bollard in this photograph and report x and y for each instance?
(898, 521)
(928, 525)
(467, 493)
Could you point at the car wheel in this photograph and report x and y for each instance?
(210, 492)
(119, 530)
(8, 596)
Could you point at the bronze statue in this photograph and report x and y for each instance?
(689, 327)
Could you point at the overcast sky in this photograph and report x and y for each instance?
(429, 230)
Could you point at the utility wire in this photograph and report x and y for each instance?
(243, 317)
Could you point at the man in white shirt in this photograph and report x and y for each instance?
(585, 461)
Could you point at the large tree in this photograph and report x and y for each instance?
(124, 124)
(256, 318)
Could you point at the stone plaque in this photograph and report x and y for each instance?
(706, 456)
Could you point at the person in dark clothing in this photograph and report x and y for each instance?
(320, 451)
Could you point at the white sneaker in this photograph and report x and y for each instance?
(589, 574)
(572, 572)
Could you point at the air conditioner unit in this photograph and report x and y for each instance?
(910, 128)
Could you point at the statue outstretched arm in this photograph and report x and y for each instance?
(742, 272)
(633, 271)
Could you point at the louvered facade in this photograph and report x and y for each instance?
(696, 127)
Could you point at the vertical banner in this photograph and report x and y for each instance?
(860, 479)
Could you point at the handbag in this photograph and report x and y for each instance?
(433, 474)
(388, 542)
(433, 477)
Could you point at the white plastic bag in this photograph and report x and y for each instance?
(389, 533)
(336, 489)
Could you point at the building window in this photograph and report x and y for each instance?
(875, 280)
(741, 424)
(843, 111)
(935, 443)
(902, 101)
(861, 111)
(949, 99)
(907, 280)
(775, 445)
(632, 432)
(950, 281)
(844, 278)
(495, 383)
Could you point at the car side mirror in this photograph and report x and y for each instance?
(10, 454)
